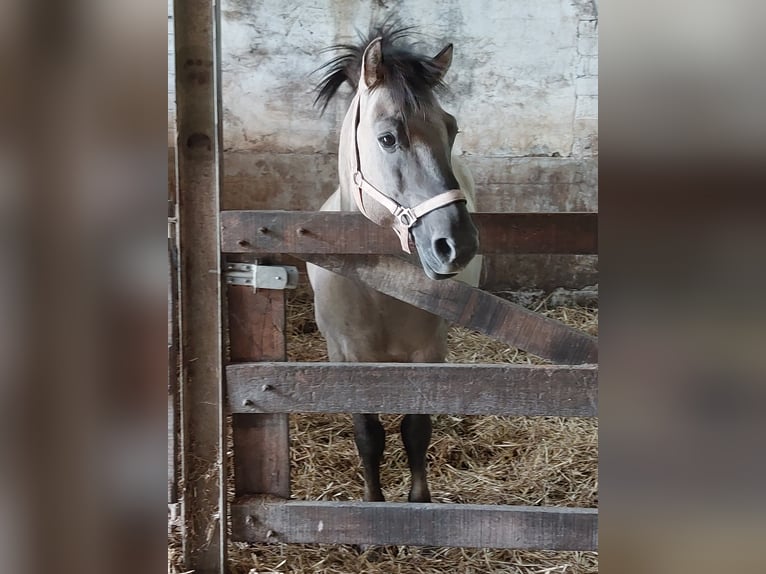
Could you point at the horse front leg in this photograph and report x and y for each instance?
(416, 435)
(370, 438)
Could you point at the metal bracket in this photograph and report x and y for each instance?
(261, 276)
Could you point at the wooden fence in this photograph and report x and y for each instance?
(262, 390)
(258, 389)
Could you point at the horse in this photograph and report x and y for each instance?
(396, 167)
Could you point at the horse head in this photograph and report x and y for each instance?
(395, 152)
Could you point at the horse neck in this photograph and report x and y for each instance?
(347, 159)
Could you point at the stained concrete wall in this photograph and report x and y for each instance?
(523, 85)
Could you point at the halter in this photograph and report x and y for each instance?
(404, 217)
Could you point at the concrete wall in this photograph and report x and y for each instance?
(524, 87)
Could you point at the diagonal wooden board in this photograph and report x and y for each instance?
(473, 308)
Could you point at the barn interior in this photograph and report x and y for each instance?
(523, 85)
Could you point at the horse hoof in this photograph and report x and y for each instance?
(374, 497)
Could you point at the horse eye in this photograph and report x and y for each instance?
(388, 140)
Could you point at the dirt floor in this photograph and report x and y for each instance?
(547, 461)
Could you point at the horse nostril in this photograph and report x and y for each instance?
(444, 249)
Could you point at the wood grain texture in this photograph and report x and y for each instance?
(513, 390)
(173, 366)
(261, 441)
(415, 524)
(256, 324)
(172, 467)
(199, 166)
(336, 232)
(467, 306)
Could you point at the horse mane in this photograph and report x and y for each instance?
(410, 77)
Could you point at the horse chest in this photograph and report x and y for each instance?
(364, 325)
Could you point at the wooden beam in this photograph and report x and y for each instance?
(199, 170)
(415, 524)
(172, 432)
(513, 390)
(534, 271)
(261, 441)
(336, 232)
(173, 370)
(467, 306)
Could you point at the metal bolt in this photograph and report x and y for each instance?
(250, 520)
(301, 231)
(243, 243)
(247, 403)
(270, 534)
(263, 230)
(267, 387)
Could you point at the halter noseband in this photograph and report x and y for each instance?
(404, 217)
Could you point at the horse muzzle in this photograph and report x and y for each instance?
(446, 240)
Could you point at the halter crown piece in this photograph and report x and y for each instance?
(404, 217)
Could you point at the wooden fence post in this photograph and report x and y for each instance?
(198, 148)
(261, 441)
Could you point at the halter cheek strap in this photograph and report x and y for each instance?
(404, 217)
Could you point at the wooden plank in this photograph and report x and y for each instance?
(172, 468)
(336, 232)
(261, 441)
(173, 379)
(172, 427)
(172, 184)
(467, 306)
(415, 524)
(198, 150)
(513, 390)
(522, 272)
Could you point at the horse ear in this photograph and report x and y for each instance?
(443, 59)
(372, 63)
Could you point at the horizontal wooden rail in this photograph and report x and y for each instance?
(467, 306)
(257, 519)
(338, 232)
(513, 390)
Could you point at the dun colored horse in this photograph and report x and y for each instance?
(395, 167)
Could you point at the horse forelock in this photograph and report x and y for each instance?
(409, 76)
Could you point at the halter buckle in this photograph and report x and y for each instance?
(405, 216)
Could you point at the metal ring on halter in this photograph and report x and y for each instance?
(405, 217)
(358, 178)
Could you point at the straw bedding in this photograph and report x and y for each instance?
(472, 459)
